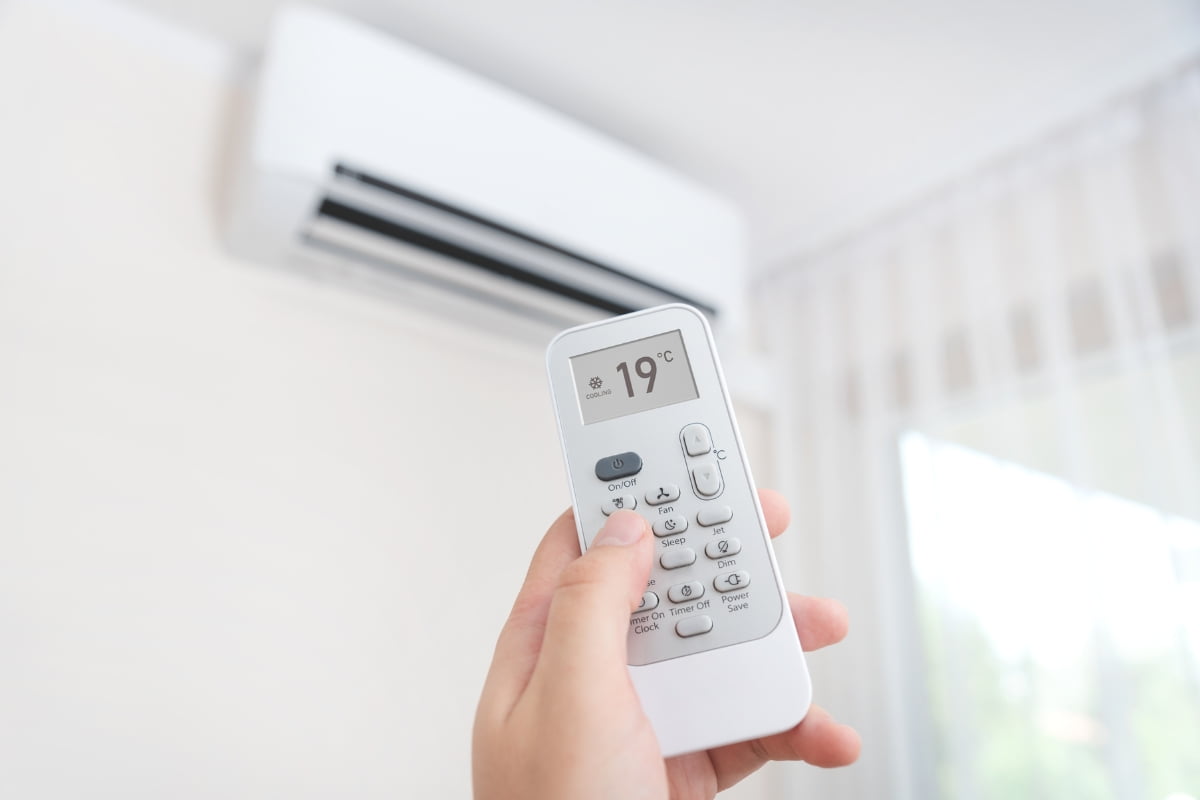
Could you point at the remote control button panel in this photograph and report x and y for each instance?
(708, 540)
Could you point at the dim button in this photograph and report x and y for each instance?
(621, 465)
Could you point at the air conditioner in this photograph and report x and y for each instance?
(368, 160)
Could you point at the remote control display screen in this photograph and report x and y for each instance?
(634, 376)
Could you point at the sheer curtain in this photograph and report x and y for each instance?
(992, 437)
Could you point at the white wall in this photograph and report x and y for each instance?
(257, 535)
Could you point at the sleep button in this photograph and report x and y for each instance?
(621, 465)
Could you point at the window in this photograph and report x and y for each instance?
(1061, 631)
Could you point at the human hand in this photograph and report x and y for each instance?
(559, 719)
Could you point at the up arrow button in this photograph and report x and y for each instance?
(696, 440)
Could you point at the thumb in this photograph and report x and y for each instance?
(589, 612)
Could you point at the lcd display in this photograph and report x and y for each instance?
(634, 376)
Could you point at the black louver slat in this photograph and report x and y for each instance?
(343, 212)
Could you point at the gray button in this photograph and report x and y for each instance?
(678, 557)
(670, 526)
(685, 592)
(719, 548)
(714, 515)
(621, 465)
(732, 581)
(696, 440)
(614, 504)
(707, 478)
(693, 626)
(662, 494)
(649, 603)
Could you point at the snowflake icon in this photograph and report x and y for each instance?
(595, 383)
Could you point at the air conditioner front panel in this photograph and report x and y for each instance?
(359, 146)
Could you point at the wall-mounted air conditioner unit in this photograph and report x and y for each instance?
(370, 160)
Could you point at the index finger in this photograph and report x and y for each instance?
(776, 511)
(520, 640)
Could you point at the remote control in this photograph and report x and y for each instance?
(646, 424)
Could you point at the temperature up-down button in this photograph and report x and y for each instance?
(706, 477)
(621, 465)
(696, 440)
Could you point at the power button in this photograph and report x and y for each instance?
(621, 465)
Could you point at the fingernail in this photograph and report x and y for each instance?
(622, 528)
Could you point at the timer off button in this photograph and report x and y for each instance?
(621, 465)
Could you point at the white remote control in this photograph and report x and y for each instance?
(646, 425)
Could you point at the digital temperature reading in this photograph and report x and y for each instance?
(634, 376)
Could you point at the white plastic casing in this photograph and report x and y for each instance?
(706, 696)
(332, 90)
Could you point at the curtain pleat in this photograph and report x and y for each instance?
(1038, 311)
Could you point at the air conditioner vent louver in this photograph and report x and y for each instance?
(362, 204)
(407, 174)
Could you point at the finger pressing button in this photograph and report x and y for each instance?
(614, 504)
(649, 602)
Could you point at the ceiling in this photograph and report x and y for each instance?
(814, 117)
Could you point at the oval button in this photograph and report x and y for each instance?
(668, 493)
(696, 441)
(670, 526)
(714, 515)
(693, 626)
(621, 465)
(649, 602)
(685, 592)
(678, 557)
(720, 548)
(732, 581)
(706, 477)
(614, 504)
